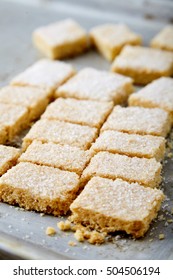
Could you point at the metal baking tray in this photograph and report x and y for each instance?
(22, 233)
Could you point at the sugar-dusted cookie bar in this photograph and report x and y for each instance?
(94, 84)
(65, 157)
(14, 118)
(34, 99)
(84, 112)
(159, 94)
(39, 188)
(143, 64)
(45, 74)
(130, 144)
(3, 134)
(139, 120)
(164, 39)
(8, 157)
(109, 39)
(133, 169)
(110, 206)
(61, 39)
(61, 133)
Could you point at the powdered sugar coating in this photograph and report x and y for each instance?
(139, 120)
(60, 33)
(8, 155)
(142, 58)
(64, 157)
(46, 74)
(164, 39)
(61, 133)
(85, 112)
(112, 166)
(25, 96)
(9, 114)
(130, 144)
(93, 84)
(117, 199)
(157, 94)
(42, 181)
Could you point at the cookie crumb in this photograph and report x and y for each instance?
(96, 238)
(50, 231)
(42, 214)
(71, 243)
(170, 221)
(64, 225)
(161, 236)
(79, 235)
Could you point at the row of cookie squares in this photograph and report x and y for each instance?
(67, 38)
(109, 39)
(98, 85)
(143, 64)
(40, 188)
(157, 94)
(115, 205)
(139, 120)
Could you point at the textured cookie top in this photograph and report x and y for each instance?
(114, 34)
(117, 199)
(93, 84)
(42, 181)
(158, 93)
(61, 32)
(8, 153)
(144, 59)
(9, 113)
(25, 96)
(164, 39)
(138, 120)
(62, 133)
(130, 144)
(132, 169)
(86, 112)
(45, 73)
(62, 156)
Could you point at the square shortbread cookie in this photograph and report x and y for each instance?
(3, 134)
(61, 133)
(139, 120)
(61, 39)
(133, 169)
(64, 157)
(164, 39)
(157, 94)
(45, 74)
(109, 39)
(130, 144)
(14, 118)
(8, 158)
(34, 99)
(98, 85)
(84, 112)
(39, 188)
(110, 206)
(143, 64)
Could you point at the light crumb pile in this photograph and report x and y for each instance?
(50, 231)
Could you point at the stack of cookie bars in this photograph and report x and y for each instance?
(88, 153)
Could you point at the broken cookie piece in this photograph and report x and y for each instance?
(8, 157)
(110, 206)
